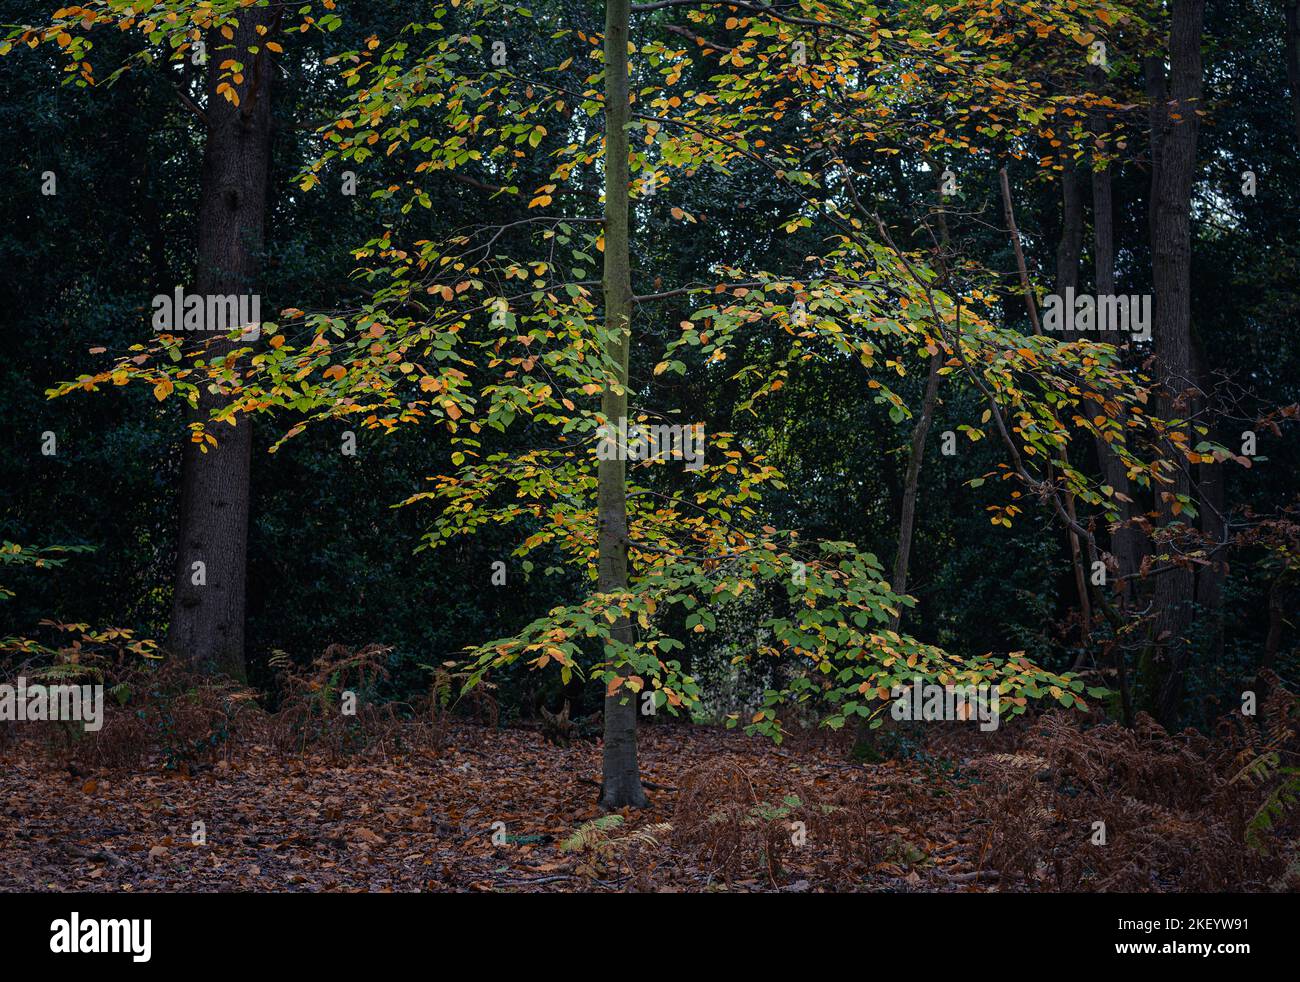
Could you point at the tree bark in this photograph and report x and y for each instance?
(1010, 214)
(1211, 499)
(907, 516)
(1280, 600)
(207, 625)
(1070, 247)
(865, 743)
(620, 774)
(1175, 126)
(911, 484)
(1067, 277)
(1076, 553)
(1125, 541)
(1293, 60)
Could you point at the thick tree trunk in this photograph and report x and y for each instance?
(620, 777)
(1175, 126)
(207, 626)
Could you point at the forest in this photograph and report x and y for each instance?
(680, 446)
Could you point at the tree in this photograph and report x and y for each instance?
(1291, 37)
(208, 606)
(1175, 121)
(621, 778)
(207, 625)
(1125, 540)
(496, 329)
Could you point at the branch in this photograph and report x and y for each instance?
(189, 104)
(755, 8)
(474, 182)
(1020, 253)
(692, 36)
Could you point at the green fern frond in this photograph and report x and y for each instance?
(64, 672)
(591, 834)
(1278, 803)
(648, 836)
(1258, 770)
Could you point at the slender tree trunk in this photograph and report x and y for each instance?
(1076, 553)
(621, 777)
(1280, 600)
(1211, 501)
(1067, 276)
(911, 484)
(907, 516)
(1125, 541)
(1010, 213)
(207, 625)
(865, 743)
(1070, 248)
(1175, 126)
(1293, 60)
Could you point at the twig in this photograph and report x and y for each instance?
(99, 855)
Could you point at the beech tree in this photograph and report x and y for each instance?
(620, 775)
(439, 320)
(502, 327)
(1175, 105)
(234, 44)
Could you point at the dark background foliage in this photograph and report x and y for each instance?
(330, 559)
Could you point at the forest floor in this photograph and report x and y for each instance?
(426, 821)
